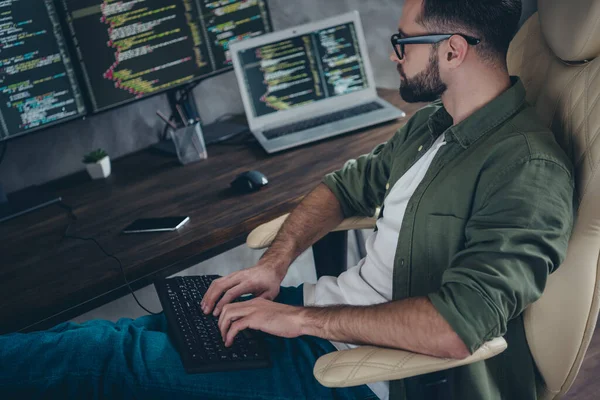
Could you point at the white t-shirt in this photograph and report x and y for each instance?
(370, 281)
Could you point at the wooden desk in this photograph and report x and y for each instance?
(45, 280)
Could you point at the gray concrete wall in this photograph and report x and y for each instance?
(43, 156)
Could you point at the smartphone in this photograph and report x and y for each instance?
(167, 224)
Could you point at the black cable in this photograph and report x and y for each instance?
(191, 101)
(3, 152)
(189, 88)
(67, 236)
(224, 117)
(188, 103)
(242, 138)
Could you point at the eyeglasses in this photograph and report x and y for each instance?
(398, 42)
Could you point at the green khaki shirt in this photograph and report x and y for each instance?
(482, 232)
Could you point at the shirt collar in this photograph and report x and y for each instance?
(481, 121)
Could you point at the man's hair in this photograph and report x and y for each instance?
(495, 22)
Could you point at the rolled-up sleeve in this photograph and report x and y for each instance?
(515, 238)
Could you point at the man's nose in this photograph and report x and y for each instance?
(394, 58)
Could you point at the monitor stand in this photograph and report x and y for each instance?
(213, 133)
(24, 201)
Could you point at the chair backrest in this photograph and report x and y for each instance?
(556, 55)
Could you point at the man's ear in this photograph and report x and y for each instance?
(455, 51)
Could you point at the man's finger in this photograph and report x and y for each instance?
(231, 313)
(215, 290)
(236, 327)
(214, 286)
(228, 297)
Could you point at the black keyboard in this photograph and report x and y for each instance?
(322, 120)
(197, 336)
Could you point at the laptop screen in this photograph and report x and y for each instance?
(303, 69)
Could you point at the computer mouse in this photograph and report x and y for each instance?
(249, 181)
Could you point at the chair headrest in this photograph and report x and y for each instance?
(571, 28)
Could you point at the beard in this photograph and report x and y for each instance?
(426, 86)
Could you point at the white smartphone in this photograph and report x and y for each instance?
(167, 224)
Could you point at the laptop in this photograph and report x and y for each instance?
(308, 83)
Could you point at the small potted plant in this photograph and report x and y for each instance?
(97, 163)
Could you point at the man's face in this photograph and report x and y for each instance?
(419, 69)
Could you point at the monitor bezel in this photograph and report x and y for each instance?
(318, 108)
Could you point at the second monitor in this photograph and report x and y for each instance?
(133, 49)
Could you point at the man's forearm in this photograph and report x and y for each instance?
(411, 324)
(317, 214)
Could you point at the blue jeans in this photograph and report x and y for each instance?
(136, 359)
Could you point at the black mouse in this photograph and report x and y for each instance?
(249, 181)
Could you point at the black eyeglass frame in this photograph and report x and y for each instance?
(398, 42)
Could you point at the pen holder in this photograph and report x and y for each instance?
(189, 143)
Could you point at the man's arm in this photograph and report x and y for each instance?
(410, 324)
(315, 216)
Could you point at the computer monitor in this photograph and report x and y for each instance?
(129, 50)
(38, 87)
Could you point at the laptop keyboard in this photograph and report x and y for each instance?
(322, 120)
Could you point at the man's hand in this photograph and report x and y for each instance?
(260, 314)
(317, 214)
(263, 280)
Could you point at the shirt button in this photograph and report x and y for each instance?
(387, 187)
(420, 148)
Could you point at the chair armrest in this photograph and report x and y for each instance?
(263, 236)
(368, 364)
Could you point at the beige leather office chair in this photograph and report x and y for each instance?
(555, 53)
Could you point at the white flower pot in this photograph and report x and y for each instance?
(100, 169)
